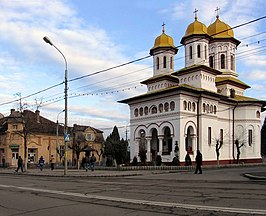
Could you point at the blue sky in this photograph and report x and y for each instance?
(96, 35)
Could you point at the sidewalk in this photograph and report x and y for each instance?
(248, 173)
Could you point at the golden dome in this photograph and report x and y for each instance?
(219, 26)
(163, 41)
(196, 28)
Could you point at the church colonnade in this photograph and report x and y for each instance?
(162, 139)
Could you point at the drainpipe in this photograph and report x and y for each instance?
(198, 119)
(233, 133)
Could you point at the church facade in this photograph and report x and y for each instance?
(200, 107)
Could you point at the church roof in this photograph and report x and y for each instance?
(192, 68)
(184, 87)
(231, 80)
(161, 77)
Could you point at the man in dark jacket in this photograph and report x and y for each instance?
(198, 162)
(20, 164)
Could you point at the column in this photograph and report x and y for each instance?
(160, 145)
(148, 148)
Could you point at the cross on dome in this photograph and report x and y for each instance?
(163, 27)
(217, 12)
(195, 12)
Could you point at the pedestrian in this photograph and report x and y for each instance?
(52, 162)
(86, 162)
(20, 164)
(41, 163)
(3, 162)
(92, 161)
(188, 160)
(198, 162)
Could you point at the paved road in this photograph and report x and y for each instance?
(216, 192)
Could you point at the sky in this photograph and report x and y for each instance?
(98, 35)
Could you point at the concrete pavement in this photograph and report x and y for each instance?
(256, 172)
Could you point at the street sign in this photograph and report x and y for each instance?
(67, 137)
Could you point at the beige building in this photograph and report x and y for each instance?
(31, 135)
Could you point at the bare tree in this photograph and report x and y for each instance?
(218, 146)
(238, 147)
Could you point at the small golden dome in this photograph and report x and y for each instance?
(163, 41)
(196, 28)
(218, 26)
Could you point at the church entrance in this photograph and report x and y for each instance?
(154, 144)
(189, 139)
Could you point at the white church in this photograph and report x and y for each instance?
(199, 106)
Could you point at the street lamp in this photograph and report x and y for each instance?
(57, 125)
(47, 40)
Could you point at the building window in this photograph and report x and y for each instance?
(209, 135)
(214, 109)
(190, 52)
(232, 63)
(164, 62)
(136, 112)
(141, 111)
(89, 137)
(166, 107)
(198, 51)
(222, 61)
(189, 106)
(154, 110)
(185, 105)
(211, 60)
(204, 107)
(221, 136)
(61, 150)
(193, 106)
(171, 62)
(157, 63)
(160, 108)
(249, 137)
(258, 114)
(15, 127)
(172, 105)
(146, 110)
(205, 51)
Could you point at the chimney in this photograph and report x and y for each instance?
(12, 110)
(37, 112)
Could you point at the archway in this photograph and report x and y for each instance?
(189, 139)
(167, 142)
(154, 144)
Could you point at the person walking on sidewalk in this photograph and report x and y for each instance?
(198, 162)
(86, 162)
(92, 161)
(52, 162)
(20, 164)
(41, 163)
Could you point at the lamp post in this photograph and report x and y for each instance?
(57, 124)
(47, 40)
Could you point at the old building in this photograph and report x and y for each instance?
(198, 106)
(31, 134)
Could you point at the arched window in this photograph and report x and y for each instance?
(190, 52)
(258, 114)
(153, 110)
(141, 111)
(146, 110)
(232, 63)
(171, 62)
(211, 61)
(157, 63)
(222, 61)
(205, 51)
(204, 107)
(185, 105)
(166, 107)
(193, 106)
(164, 62)
(172, 105)
(214, 109)
(211, 109)
(198, 51)
(136, 112)
(160, 108)
(189, 106)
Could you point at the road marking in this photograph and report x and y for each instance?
(144, 202)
